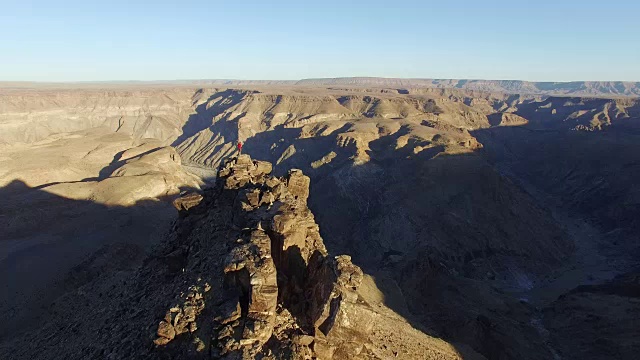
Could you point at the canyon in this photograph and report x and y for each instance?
(373, 218)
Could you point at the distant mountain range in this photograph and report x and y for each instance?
(593, 88)
(574, 88)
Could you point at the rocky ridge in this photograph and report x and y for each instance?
(282, 295)
(584, 88)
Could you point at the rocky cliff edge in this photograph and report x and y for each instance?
(278, 293)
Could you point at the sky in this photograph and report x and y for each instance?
(561, 40)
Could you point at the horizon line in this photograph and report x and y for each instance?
(293, 81)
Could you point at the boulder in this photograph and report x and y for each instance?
(187, 201)
(240, 171)
(251, 270)
(298, 184)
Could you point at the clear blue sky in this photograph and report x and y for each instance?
(540, 40)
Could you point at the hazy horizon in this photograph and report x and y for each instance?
(117, 81)
(541, 41)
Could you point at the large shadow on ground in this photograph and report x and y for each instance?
(209, 116)
(594, 174)
(45, 238)
(215, 105)
(286, 149)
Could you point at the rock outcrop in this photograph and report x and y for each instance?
(187, 201)
(282, 293)
(281, 268)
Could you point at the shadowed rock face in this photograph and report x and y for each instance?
(598, 321)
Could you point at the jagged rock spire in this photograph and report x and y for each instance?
(281, 269)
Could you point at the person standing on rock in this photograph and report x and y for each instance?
(239, 147)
